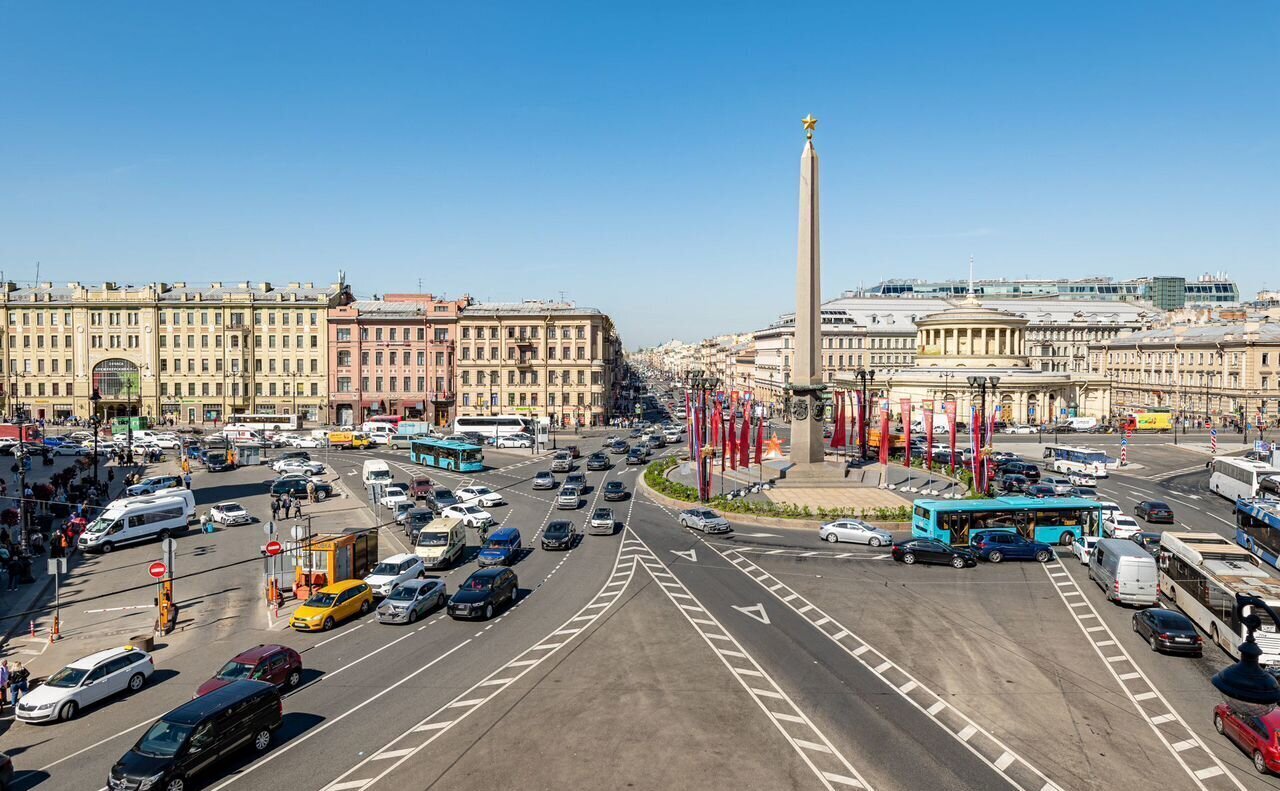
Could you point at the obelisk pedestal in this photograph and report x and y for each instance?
(806, 373)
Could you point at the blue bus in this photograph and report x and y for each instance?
(1258, 527)
(1053, 520)
(447, 454)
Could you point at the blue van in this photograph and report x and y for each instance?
(501, 548)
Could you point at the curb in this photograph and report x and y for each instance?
(778, 523)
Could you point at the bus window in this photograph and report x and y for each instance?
(1048, 519)
(958, 523)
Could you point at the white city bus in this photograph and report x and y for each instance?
(1201, 573)
(266, 422)
(1071, 458)
(493, 425)
(1236, 478)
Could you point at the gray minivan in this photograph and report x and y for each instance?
(1125, 571)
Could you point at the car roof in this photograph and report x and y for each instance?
(504, 534)
(96, 658)
(228, 503)
(560, 523)
(197, 709)
(399, 558)
(258, 652)
(485, 573)
(339, 587)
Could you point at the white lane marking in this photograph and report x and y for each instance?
(465, 703)
(1134, 683)
(302, 738)
(809, 742)
(1020, 773)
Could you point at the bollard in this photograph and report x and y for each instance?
(54, 634)
(33, 628)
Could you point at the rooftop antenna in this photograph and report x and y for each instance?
(419, 285)
(562, 296)
(970, 275)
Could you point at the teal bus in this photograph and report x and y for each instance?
(1053, 520)
(447, 454)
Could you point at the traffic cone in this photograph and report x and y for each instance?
(33, 628)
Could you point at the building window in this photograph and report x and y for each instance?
(344, 358)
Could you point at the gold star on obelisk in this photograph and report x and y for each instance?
(809, 124)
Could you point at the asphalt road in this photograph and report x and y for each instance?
(764, 660)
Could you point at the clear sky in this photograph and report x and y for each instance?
(641, 158)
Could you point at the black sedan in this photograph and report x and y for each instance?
(620, 447)
(1146, 540)
(1040, 490)
(1013, 483)
(297, 487)
(1168, 632)
(928, 550)
(558, 535)
(615, 490)
(1154, 511)
(483, 593)
(597, 462)
(635, 457)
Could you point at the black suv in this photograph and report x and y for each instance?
(558, 535)
(200, 733)
(297, 487)
(620, 447)
(415, 520)
(1029, 471)
(597, 461)
(615, 490)
(483, 593)
(635, 457)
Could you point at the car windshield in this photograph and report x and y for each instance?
(386, 569)
(321, 599)
(404, 593)
(477, 584)
(234, 670)
(163, 739)
(231, 508)
(100, 525)
(602, 514)
(480, 491)
(498, 543)
(613, 485)
(432, 539)
(67, 677)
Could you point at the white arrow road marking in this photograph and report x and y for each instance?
(755, 611)
(689, 555)
(758, 535)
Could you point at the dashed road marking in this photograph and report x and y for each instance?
(1020, 773)
(1184, 745)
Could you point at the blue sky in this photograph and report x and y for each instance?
(642, 159)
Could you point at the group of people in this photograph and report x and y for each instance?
(14, 682)
(284, 505)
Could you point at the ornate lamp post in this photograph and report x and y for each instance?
(700, 384)
(980, 383)
(865, 377)
(95, 422)
(1247, 689)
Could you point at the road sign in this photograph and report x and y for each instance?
(298, 532)
(157, 570)
(273, 547)
(269, 528)
(57, 565)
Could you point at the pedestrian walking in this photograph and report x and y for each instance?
(4, 682)
(297, 509)
(19, 682)
(186, 479)
(275, 508)
(15, 571)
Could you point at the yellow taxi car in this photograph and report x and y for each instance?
(331, 605)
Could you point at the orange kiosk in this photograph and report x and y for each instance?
(334, 557)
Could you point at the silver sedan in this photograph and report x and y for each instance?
(412, 600)
(854, 531)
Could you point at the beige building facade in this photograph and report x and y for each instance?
(192, 354)
(538, 359)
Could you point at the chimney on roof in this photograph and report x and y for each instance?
(264, 287)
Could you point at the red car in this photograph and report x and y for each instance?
(420, 487)
(277, 664)
(1255, 735)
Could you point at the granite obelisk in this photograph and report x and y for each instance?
(806, 372)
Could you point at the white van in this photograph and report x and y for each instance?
(1125, 571)
(378, 427)
(186, 495)
(441, 543)
(375, 471)
(157, 517)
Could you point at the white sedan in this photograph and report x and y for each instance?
(854, 531)
(299, 465)
(1082, 479)
(169, 443)
(1082, 548)
(1120, 526)
(470, 515)
(230, 514)
(306, 442)
(394, 494)
(71, 449)
(514, 441)
(480, 495)
(1020, 428)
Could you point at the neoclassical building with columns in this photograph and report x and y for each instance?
(971, 340)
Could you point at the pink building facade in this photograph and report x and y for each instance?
(394, 356)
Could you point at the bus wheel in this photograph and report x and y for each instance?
(1213, 633)
(1066, 539)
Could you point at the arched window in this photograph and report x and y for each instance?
(116, 379)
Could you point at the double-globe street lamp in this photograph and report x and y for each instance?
(980, 383)
(700, 384)
(95, 423)
(865, 378)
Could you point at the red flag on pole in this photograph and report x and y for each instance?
(906, 428)
(859, 415)
(885, 440)
(837, 436)
(744, 441)
(715, 424)
(759, 442)
(928, 433)
(951, 420)
(732, 442)
(725, 431)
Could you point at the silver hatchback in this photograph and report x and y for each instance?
(567, 498)
(412, 600)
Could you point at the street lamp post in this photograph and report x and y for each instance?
(700, 384)
(1248, 689)
(24, 530)
(865, 377)
(980, 383)
(95, 423)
